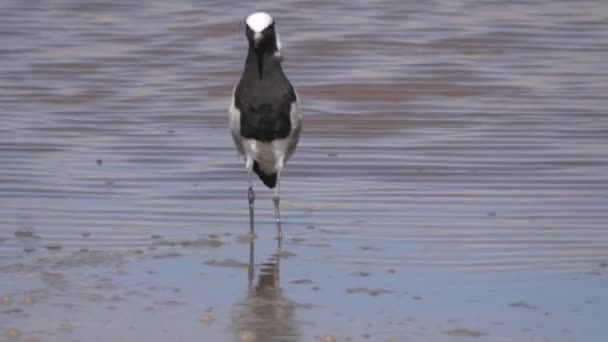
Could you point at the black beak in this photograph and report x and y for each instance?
(256, 44)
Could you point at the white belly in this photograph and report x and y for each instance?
(270, 156)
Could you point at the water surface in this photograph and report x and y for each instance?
(451, 181)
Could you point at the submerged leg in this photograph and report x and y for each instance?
(277, 275)
(251, 198)
(277, 199)
(250, 268)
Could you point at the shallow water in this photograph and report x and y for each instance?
(451, 181)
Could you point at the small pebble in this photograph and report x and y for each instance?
(24, 232)
(99, 161)
(66, 327)
(32, 339)
(29, 299)
(13, 332)
(207, 317)
(329, 338)
(53, 247)
(247, 336)
(391, 270)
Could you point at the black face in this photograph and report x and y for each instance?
(266, 42)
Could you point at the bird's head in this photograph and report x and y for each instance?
(261, 34)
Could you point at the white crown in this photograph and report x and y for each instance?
(259, 21)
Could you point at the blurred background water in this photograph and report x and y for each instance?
(443, 141)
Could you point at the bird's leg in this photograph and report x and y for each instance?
(278, 269)
(251, 198)
(276, 199)
(250, 268)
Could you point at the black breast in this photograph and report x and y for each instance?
(265, 104)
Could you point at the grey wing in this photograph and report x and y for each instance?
(296, 124)
(235, 126)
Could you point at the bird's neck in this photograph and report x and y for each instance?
(264, 62)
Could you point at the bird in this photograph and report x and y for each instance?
(264, 116)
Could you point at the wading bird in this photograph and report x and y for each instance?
(265, 118)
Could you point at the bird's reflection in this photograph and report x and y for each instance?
(265, 314)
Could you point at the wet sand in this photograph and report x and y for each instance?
(451, 182)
